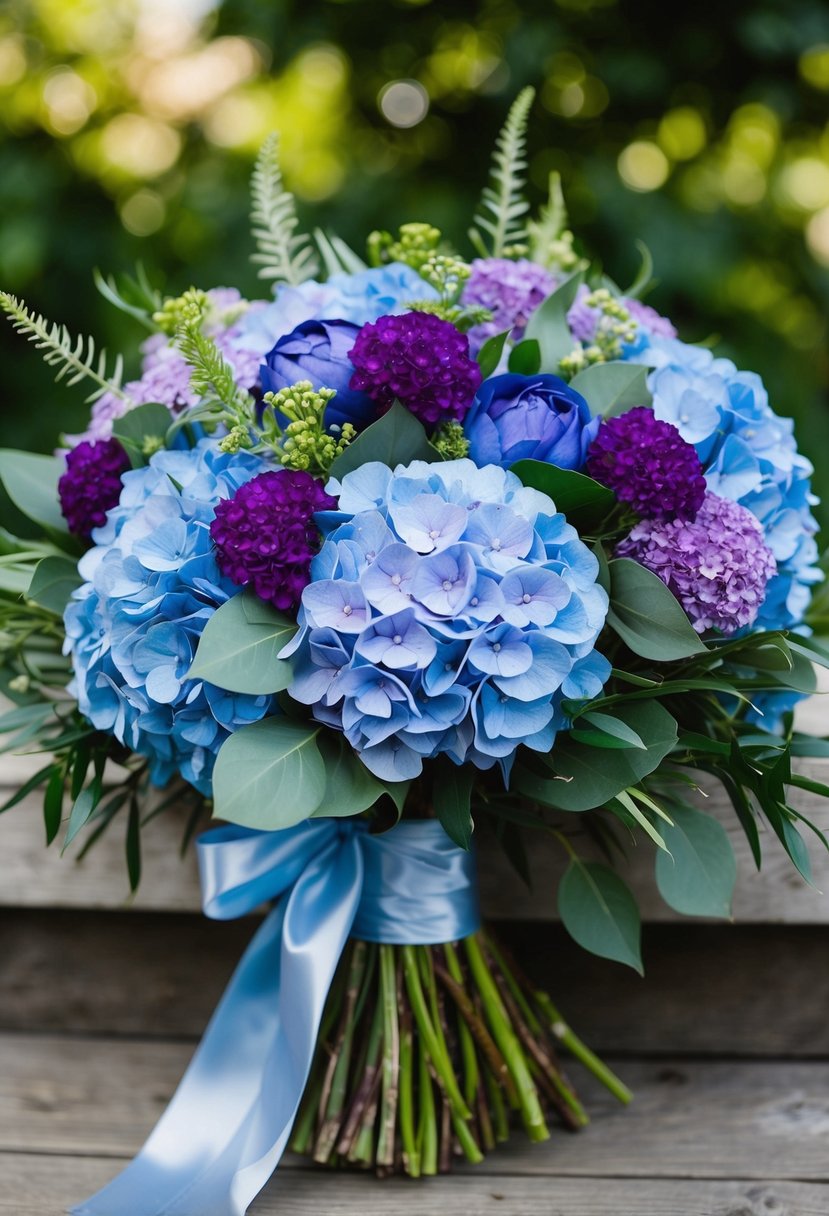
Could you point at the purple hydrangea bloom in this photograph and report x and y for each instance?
(718, 566)
(511, 290)
(648, 319)
(265, 534)
(648, 464)
(91, 485)
(529, 418)
(451, 611)
(419, 359)
(319, 351)
(584, 320)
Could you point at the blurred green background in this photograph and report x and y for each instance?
(128, 130)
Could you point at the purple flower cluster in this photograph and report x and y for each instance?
(511, 290)
(91, 485)
(419, 359)
(648, 319)
(648, 464)
(265, 535)
(717, 566)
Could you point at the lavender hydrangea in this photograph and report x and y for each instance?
(419, 359)
(649, 465)
(265, 535)
(91, 484)
(511, 290)
(451, 611)
(151, 583)
(717, 566)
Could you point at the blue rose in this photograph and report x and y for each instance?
(529, 418)
(319, 351)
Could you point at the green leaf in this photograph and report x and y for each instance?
(53, 804)
(586, 780)
(239, 648)
(269, 775)
(647, 616)
(525, 358)
(612, 727)
(451, 797)
(489, 356)
(31, 483)
(790, 838)
(27, 788)
(133, 844)
(54, 580)
(396, 438)
(698, 880)
(599, 912)
(613, 388)
(585, 502)
(548, 324)
(349, 787)
(146, 422)
(85, 804)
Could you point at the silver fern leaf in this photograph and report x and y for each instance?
(284, 255)
(76, 359)
(502, 207)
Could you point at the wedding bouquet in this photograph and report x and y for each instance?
(418, 546)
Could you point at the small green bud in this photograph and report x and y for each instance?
(20, 683)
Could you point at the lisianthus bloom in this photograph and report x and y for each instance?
(648, 464)
(529, 418)
(319, 351)
(420, 360)
(91, 484)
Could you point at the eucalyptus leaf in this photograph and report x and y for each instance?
(613, 388)
(31, 482)
(349, 787)
(148, 423)
(239, 648)
(451, 797)
(647, 616)
(548, 324)
(52, 584)
(269, 775)
(82, 809)
(489, 356)
(396, 438)
(585, 502)
(698, 879)
(599, 912)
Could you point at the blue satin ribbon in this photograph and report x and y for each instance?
(229, 1122)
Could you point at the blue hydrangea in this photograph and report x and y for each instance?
(151, 584)
(749, 455)
(361, 297)
(451, 611)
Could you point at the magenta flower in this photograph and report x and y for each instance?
(91, 485)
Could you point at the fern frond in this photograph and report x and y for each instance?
(285, 255)
(135, 296)
(502, 207)
(210, 372)
(76, 359)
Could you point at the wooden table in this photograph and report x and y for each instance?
(725, 1043)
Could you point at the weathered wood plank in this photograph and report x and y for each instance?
(766, 988)
(705, 1120)
(37, 1186)
(33, 876)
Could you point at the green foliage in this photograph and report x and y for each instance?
(584, 501)
(548, 324)
(490, 353)
(599, 912)
(284, 255)
(396, 438)
(211, 375)
(525, 358)
(142, 431)
(697, 876)
(503, 207)
(74, 358)
(451, 799)
(134, 296)
(613, 388)
(269, 775)
(551, 241)
(54, 580)
(31, 482)
(349, 787)
(647, 616)
(239, 648)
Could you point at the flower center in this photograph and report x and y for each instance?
(347, 610)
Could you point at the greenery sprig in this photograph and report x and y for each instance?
(503, 207)
(285, 255)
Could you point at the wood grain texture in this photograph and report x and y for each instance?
(37, 1186)
(703, 1119)
(736, 990)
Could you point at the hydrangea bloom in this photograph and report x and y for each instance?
(358, 298)
(717, 566)
(91, 484)
(421, 360)
(151, 584)
(749, 455)
(265, 535)
(648, 464)
(451, 611)
(511, 290)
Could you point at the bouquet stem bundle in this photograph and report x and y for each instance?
(425, 1053)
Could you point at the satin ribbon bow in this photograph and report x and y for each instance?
(229, 1122)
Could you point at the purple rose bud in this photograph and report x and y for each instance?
(529, 418)
(319, 351)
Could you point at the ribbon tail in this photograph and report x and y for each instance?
(229, 1122)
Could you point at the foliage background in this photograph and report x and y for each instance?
(128, 129)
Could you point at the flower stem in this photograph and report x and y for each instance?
(411, 1156)
(467, 1043)
(434, 1045)
(581, 1051)
(427, 1130)
(391, 1058)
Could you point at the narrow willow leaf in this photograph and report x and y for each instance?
(85, 804)
(641, 818)
(698, 880)
(133, 845)
(27, 787)
(53, 804)
(599, 912)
